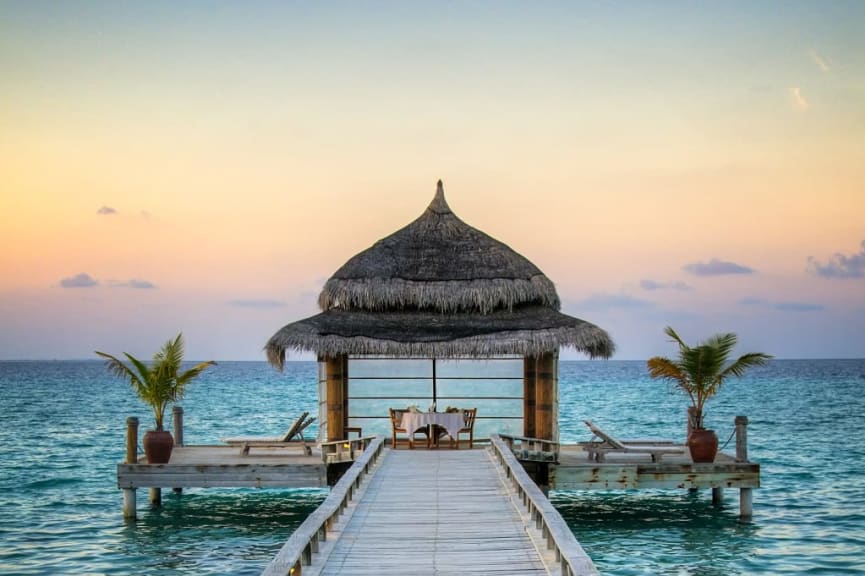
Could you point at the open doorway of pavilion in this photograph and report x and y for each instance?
(375, 383)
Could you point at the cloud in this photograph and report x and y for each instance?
(798, 307)
(139, 284)
(257, 303)
(716, 267)
(821, 62)
(106, 211)
(82, 280)
(840, 266)
(604, 301)
(652, 285)
(788, 306)
(797, 100)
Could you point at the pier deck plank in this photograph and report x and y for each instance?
(575, 471)
(435, 512)
(224, 466)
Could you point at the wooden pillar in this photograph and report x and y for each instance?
(156, 496)
(177, 412)
(741, 438)
(717, 495)
(129, 509)
(545, 387)
(336, 375)
(529, 380)
(746, 495)
(746, 504)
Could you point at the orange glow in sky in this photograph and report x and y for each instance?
(171, 167)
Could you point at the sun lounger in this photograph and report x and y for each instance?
(598, 449)
(295, 430)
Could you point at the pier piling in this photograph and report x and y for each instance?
(746, 495)
(129, 508)
(177, 412)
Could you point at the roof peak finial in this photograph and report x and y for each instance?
(439, 204)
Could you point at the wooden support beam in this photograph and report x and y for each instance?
(129, 507)
(545, 397)
(746, 503)
(337, 373)
(529, 381)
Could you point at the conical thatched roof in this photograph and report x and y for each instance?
(439, 262)
(438, 288)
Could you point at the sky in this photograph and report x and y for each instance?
(204, 167)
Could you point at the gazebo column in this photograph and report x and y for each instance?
(545, 397)
(337, 399)
(529, 381)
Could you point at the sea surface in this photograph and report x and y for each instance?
(62, 429)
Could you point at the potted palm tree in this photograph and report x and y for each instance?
(158, 385)
(699, 372)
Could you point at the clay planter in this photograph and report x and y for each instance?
(157, 446)
(703, 445)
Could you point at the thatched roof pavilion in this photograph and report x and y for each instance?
(438, 288)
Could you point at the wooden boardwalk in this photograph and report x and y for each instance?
(442, 512)
(435, 512)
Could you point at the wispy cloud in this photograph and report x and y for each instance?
(785, 306)
(257, 303)
(716, 267)
(82, 280)
(106, 211)
(605, 301)
(798, 306)
(652, 285)
(797, 100)
(139, 284)
(840, 265)
(821, 62)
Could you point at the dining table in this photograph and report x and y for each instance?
(451, 422)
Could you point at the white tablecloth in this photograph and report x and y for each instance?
(450, 421)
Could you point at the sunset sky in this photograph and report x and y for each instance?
(205, 166)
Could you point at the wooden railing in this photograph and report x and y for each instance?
(303, 543)
(574, 560)
(344, 450)
(533, 449)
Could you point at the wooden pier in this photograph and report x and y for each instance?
(439, 511)
(434, 512)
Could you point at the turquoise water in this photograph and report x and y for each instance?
(63, 426)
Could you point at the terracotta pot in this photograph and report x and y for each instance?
(703, 445)
(157, 446)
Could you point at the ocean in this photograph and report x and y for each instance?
(63, 427)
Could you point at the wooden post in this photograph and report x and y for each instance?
(717, 495)
(177, 412)
(156, 496)
(545, 385)
(529, 381)
(746, 504)
(129, 508)
(746, 495)
(741, 438)
(336, 397)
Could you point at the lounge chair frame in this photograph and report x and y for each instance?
(295, 430)
(598, 449)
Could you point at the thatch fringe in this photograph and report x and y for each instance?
(525, 331)
(594, 342)
(482, 295)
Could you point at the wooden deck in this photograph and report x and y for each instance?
(435, 512)
(575, 471)
(224, 466)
